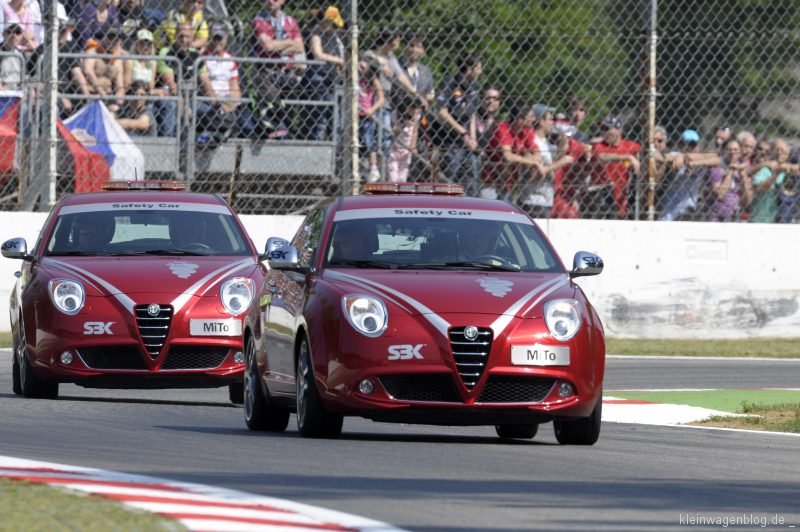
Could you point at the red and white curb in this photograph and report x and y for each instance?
(195, 506)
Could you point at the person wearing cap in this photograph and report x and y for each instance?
(191, 12)
(142, 70)
(219, 79)
(28, 18)
(454, 132)
(680, 187)
(324, 44)
(11, 65)
(167, 109)
(95, 20)
(614, 159)
(136, 115)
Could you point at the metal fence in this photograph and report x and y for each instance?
(577, 108)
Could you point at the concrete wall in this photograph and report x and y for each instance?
(661, 280)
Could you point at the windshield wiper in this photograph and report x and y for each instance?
(77, 254)
(462, 264)
(159, 252)
(363, 263)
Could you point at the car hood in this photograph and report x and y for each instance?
(149, 274)
(454, 292)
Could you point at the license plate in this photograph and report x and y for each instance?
(229, 327)
(540, 355)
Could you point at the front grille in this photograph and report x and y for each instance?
(434, 388)
(470, 355)
(153, 329)
(507, 389)
(112, 357)
(195, 357)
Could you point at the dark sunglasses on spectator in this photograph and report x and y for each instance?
(490, 97)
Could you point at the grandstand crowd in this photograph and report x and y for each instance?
(142, 61)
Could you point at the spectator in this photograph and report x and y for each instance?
(747, 141)
(614, 158)
(486, 119)
(570, 179)
(510, 155)
(707, 159)
(190, 12)
(277, 37)
(70, 75)
(404, 148)
(132, 16)
(722, 135)
(760, 154)
(370, 101)
(11, 66)
(455, 130)
(418, 74)
(731, 189)
(28, 19)
(324, 45)
(167, 110)
(767, 180)
(219, 79)
(682, 187)
(136, 115)
(576, 114)
(789, 200)
(142, 70)
(106, 75)
(551, 155)
(95, 21)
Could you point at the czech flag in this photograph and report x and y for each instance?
(96, 129)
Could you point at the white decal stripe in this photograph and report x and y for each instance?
(64, 266)
(181, 300)
(461, 214)
(437, 321)
(545, 294)
(336, 275)
(153, 206)
(505, 318)
(127, 302)
(224, 275)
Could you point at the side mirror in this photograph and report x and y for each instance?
(585, 264)
(283, 258)
(16, 248)
(273, 243)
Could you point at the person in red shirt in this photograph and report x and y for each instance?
(613, 160)
(569, 181)
(509, 154)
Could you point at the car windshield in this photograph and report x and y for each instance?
(497, 242)
(89, 230)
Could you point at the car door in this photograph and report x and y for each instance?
(287, 299)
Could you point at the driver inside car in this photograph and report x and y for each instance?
(91, 232)
(184, 230)
(353, 240)
(479, 240)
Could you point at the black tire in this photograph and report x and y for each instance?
(236, 392)
(258, 413)
(30, 385)
(313, 421)
(15, 380)
(585, 431)
(522, 432)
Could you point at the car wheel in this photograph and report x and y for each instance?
(313, 421)
(523, 432)
(585, 431)
(29, 384)
(236, 392)
(258, 413)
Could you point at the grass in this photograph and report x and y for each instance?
(783, 417)
(5, 339)
(37, 507)
(724, 400)
(744, 347)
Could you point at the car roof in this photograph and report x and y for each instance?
(142, 196)
(425, 201)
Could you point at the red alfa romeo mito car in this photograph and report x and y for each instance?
(142, 286)
(415, 304)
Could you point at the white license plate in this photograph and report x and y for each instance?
(540, 355)
(229, 327)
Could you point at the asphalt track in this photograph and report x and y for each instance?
(438, 478)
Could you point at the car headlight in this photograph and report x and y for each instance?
(67, 295)
(563, 318)
(366, 314)
(237, 294)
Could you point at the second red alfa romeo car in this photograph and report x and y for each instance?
(414, 304)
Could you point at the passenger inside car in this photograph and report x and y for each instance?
(353, 240)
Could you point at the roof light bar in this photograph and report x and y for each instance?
(439, 189)
(144, 185)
